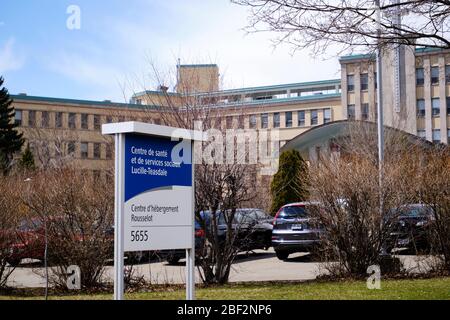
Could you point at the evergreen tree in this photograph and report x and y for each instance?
(290, 183)
(26, 162)
(11, 140)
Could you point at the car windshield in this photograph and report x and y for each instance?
(291, 212)
(414, 212)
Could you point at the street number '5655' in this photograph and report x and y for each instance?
(139, 236)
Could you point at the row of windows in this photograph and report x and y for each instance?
(434, 76)
(84, 150)
(288, 119)
(436, 135)
(435, 107)
(420, 78)
(364, 81)
(351, 111)
(72, 119)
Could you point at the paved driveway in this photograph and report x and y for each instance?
(258, 266)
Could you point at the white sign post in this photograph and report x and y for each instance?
(154, 194)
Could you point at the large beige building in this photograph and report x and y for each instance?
(416, 99)
(67, 130)
(415, 92)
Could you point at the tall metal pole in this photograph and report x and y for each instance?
(380, 126)
(118, 219)
(190, 253)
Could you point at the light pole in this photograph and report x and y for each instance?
(380, 127)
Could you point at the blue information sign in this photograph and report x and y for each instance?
(158, 194)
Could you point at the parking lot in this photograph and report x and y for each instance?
(257, 266)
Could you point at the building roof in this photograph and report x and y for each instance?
(197, 66)
(325, 132)
(373, 55)
(318, 97)
(297, 85)
(104, 104)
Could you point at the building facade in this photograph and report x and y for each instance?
(416, 99)
(66, 130)
(415, 93)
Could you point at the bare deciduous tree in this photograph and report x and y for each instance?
(317, 24)
(356, 232)
(10, 217)
(77, 211)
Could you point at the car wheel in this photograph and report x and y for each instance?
(14, 262)
(282, 255)
(173, 259)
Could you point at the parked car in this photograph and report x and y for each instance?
(253, 229)
(173, 256)
(411, 228)
(30, 242)
(293, 230)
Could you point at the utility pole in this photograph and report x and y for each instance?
(380, 126)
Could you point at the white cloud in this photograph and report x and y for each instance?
(10, 59)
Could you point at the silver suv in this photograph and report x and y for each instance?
(293, 230)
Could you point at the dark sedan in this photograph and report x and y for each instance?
(411, 228)
(252, 227)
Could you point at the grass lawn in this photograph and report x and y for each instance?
(436, 288)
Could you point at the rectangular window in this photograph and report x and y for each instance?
(434, 75)
(97, 124)
(448, 105)
(420, 107)
(276, 120)
(364, 81)
(84, 148)
(252, 121)
(288, 119)
(364, 111)
(447, 74)
(59, 119)
(301, 118)
(84, 121)
(18, 117)
(350, 83)
(109, 119)
(264, 120)
(71, 147)
(436, 136)
(97, 150)
(326, 115)
(421, 134)
(45, 119)
(72, 120)
(351, 112)
(229, 122)
(420, 77)
(32, 118)
(241, 121)
(108, 151)
(314, 117)
(435, 107)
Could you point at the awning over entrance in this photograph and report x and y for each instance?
(318, 139)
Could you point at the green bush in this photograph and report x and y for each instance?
(290, 183)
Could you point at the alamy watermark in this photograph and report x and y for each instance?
(374, 280)
(232, 146)
(73, 278)
(73, 22)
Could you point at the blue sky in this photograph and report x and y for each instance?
(112, 54)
